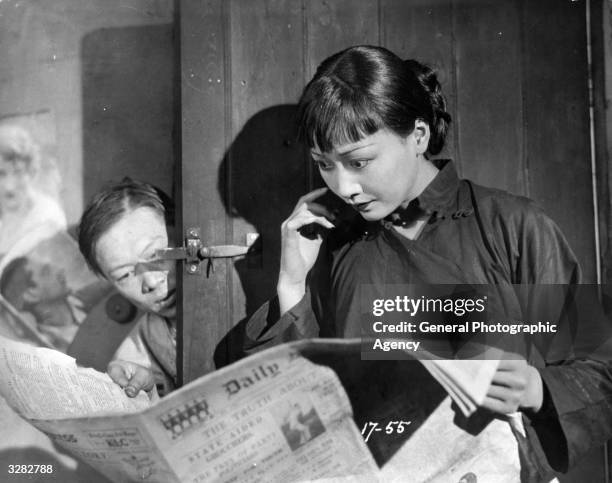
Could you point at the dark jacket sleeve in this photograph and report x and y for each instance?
(576, 371)
(266, 328)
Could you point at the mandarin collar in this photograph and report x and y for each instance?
(442, 190)
(435, 201)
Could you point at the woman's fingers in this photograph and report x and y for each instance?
(313, 195)
(511, 364)
(498, 406)
(515, 385)
(321, 210)
(306, 218)
(511, 379)
(307, 203)
(503, 393)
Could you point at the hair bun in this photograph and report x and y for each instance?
(440, 118)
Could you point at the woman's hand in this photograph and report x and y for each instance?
(131, 377)
(516, 385)
(298, 252)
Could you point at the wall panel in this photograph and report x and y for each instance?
(424, 31)
(556, 121)
(266, 170)
(489, 93)
(333, 26)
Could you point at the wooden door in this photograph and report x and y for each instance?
(517, 85)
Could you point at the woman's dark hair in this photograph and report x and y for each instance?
(362, 89)
(110, 204)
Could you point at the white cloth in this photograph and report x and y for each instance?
(133, 348)
(19, 236)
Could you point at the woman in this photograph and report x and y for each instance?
(27, 216)
(371, 122)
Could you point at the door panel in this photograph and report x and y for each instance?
(206, 307)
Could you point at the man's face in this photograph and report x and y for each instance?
(15, 179)
(126, 254)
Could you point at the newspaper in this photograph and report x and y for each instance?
(42, 383)
(304, 411)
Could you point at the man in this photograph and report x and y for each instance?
(119, 233)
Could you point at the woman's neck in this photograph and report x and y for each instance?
(425, 175)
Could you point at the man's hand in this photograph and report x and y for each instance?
(516, 385)
(131, 377)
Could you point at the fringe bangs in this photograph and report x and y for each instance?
(342, 116)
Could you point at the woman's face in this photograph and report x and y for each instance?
(378, 173)
(126, 255)
(15, 180)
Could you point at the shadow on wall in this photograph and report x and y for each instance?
(261, 177)
(128, 106)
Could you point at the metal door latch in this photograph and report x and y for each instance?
(194, 252)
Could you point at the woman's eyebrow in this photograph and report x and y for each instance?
(351, 149)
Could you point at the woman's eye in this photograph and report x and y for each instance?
(359, 163)
(324, 166)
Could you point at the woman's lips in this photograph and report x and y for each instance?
(363, 206)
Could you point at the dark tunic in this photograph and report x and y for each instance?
(475, 235)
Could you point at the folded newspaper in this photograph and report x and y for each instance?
(306, 411)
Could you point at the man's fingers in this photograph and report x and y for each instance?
(118, 373)
(141, 380)
(131, 377)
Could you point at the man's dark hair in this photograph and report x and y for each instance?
(108, 207)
